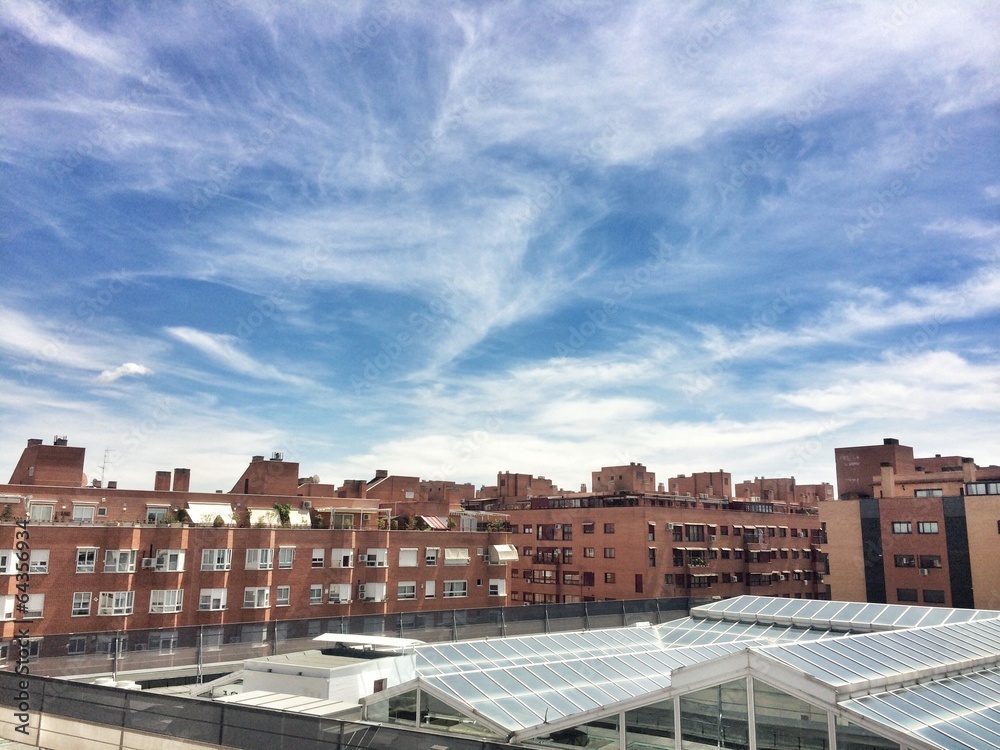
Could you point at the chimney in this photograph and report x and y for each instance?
(182, 480)
(890, 441)
(60, 440)
(256, 459)
(113, 484)
(968, 470)
(888, 479)
(162, 481)
(34, 441)
(381, 473)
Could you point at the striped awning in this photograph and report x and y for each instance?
(435, 522)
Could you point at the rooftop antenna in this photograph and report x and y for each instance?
(104, 463)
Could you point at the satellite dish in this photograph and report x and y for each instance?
(315, 478)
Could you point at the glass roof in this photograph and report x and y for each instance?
(954, 712)
(895, 654)
(856, 616)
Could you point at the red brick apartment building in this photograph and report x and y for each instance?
(913, 530)
(103, 559)
(628, 540)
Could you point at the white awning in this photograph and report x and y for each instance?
(264, 516)
(501, 553)
(456, 554)
(208, 512)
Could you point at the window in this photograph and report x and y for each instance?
(588, 551)
(377, 557)
(286, 556)
(905, 561)
(609, 577)
(430, 589)
(212, 599)
(283, 596)
(216, 559)
(40, 513)
(930, 561)
(318, 557)
(408, 557)
(455, 589)
(906, 595)
(638, 583)
(341, 558)
(164, 642)
(456, 556)
(166, 600)
(927, 527)
(588, 528)
(609, 553)
(668, 579)
(933, 596)
(498, 587)
(156, 513)
(81, 604)
(77, 645)
(902, 527)
(650, 532)
(316, 593)
(431, 556)
(340, 593)
(260, 559)
(526, 529)
(258, 597)
(39, 561)
(609, 528)
(115, 602)
(406, 591)
(651, 554)
(170, 560)
(928, 493)
(83, 513)
(119, 561)
(86, 559)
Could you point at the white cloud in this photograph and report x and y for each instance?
(128, 369)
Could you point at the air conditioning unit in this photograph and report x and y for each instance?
(148, 563)
(782, 578)
(362, 558)
(922, 571)
(711, 537)
(140, 647)
(307, 504)
(671, 526)
(361, 591)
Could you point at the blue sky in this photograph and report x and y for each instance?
(450, 239)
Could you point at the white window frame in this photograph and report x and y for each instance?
(498, 587)
(286, 557)
(408, 557)
(79, 516)
(318, 557)
(431, 556)
(260, 558)
(113, 559)
(7, 604)
(283, 596)
(81, 604)
(41, 512)
(165, 601)
(215, 599)
(340, 555)
(169, 560)
(116, 603)
(256, 597)
(430, 589)
(456, 589)
(377, 557)
(217, 558)
(315, 593)
(82, 565)
(339, 593)
(406, 591)
(34, 607)
(39, 563)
